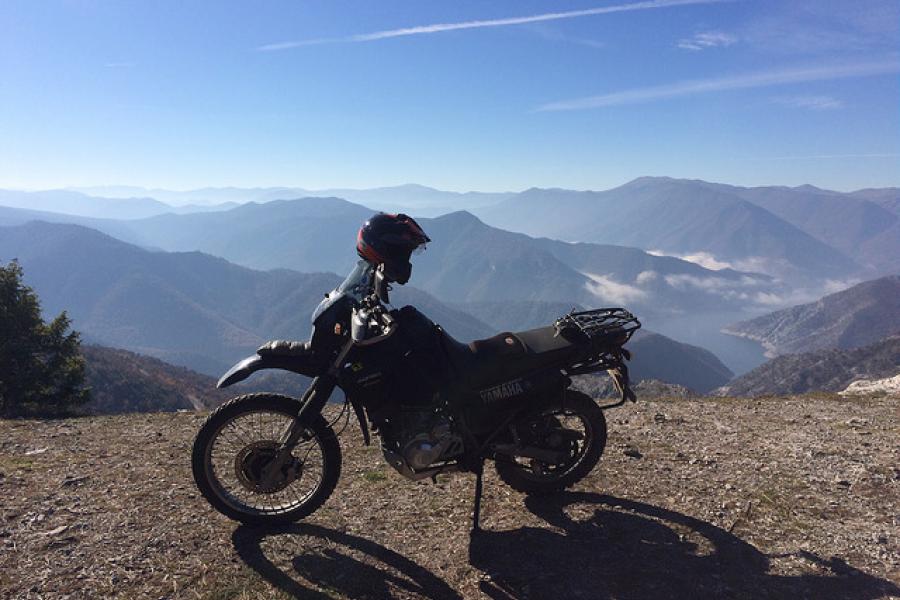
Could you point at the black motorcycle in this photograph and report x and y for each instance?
(438, 405)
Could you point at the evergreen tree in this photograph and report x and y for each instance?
(41, 368)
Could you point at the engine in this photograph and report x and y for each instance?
(417, 439)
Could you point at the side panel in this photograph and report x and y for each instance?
(487, 408)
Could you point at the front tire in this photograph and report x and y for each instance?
(233, 446)
(554, 427)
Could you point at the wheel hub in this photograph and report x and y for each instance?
(251, 462)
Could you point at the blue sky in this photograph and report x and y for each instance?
(458, 95)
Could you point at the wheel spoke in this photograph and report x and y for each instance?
(237, 456)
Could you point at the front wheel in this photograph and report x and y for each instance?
(237, 443)
(573, 428)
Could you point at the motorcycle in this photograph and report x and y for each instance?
(437, 404)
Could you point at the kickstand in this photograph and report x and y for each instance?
(476, 513)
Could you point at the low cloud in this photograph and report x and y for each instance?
(608, 290)
(775, 300)
(749, 264)
(704, 259)
(706, 40)
(684, 281)
(646, 277)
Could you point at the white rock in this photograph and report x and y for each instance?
(889, 386)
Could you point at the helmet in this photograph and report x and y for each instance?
(390, 240)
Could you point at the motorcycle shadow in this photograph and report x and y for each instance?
(333, 560)
(607, 547)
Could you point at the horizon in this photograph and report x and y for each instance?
(507, 96)
(86, 189)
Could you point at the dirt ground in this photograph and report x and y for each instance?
(769, 498)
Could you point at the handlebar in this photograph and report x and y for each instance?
(371, 307)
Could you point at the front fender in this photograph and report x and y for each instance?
(300, 364)
(241, 371)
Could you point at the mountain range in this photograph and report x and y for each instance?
(199, 311)
(468, 262)
(190, 309)
(75, 203)
(787, 231)
(419, 199)
(685, 255)
(854, 317)
(680, 218)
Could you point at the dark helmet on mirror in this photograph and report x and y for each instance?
(390, 240)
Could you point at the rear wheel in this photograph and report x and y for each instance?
(238, 442)
(573, 428)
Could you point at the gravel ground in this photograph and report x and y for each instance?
(770, 498)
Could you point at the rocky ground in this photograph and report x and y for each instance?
(770, 498)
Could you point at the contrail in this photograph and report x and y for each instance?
(439, 27)
(829, 156)
(705, 86)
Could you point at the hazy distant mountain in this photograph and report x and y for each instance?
(828, 370)
(189, 309)
(119, 229)
(888, 198)
(860, 228)
(68, 202)
(801, 231)
(195, 310)
(417, 199)
(468, 261)
(201, 196)
(420, 199)
(311, 234)
(75, 203)
(854, 317)
(473, 262)
(677, 217)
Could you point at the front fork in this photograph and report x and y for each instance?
(312, 402)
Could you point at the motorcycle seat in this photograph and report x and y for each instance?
(506, 355)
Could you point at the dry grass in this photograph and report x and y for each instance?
(770, 498)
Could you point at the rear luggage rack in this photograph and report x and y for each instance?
(607, 330)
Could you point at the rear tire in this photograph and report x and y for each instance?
(224, 481)
(531, 479)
